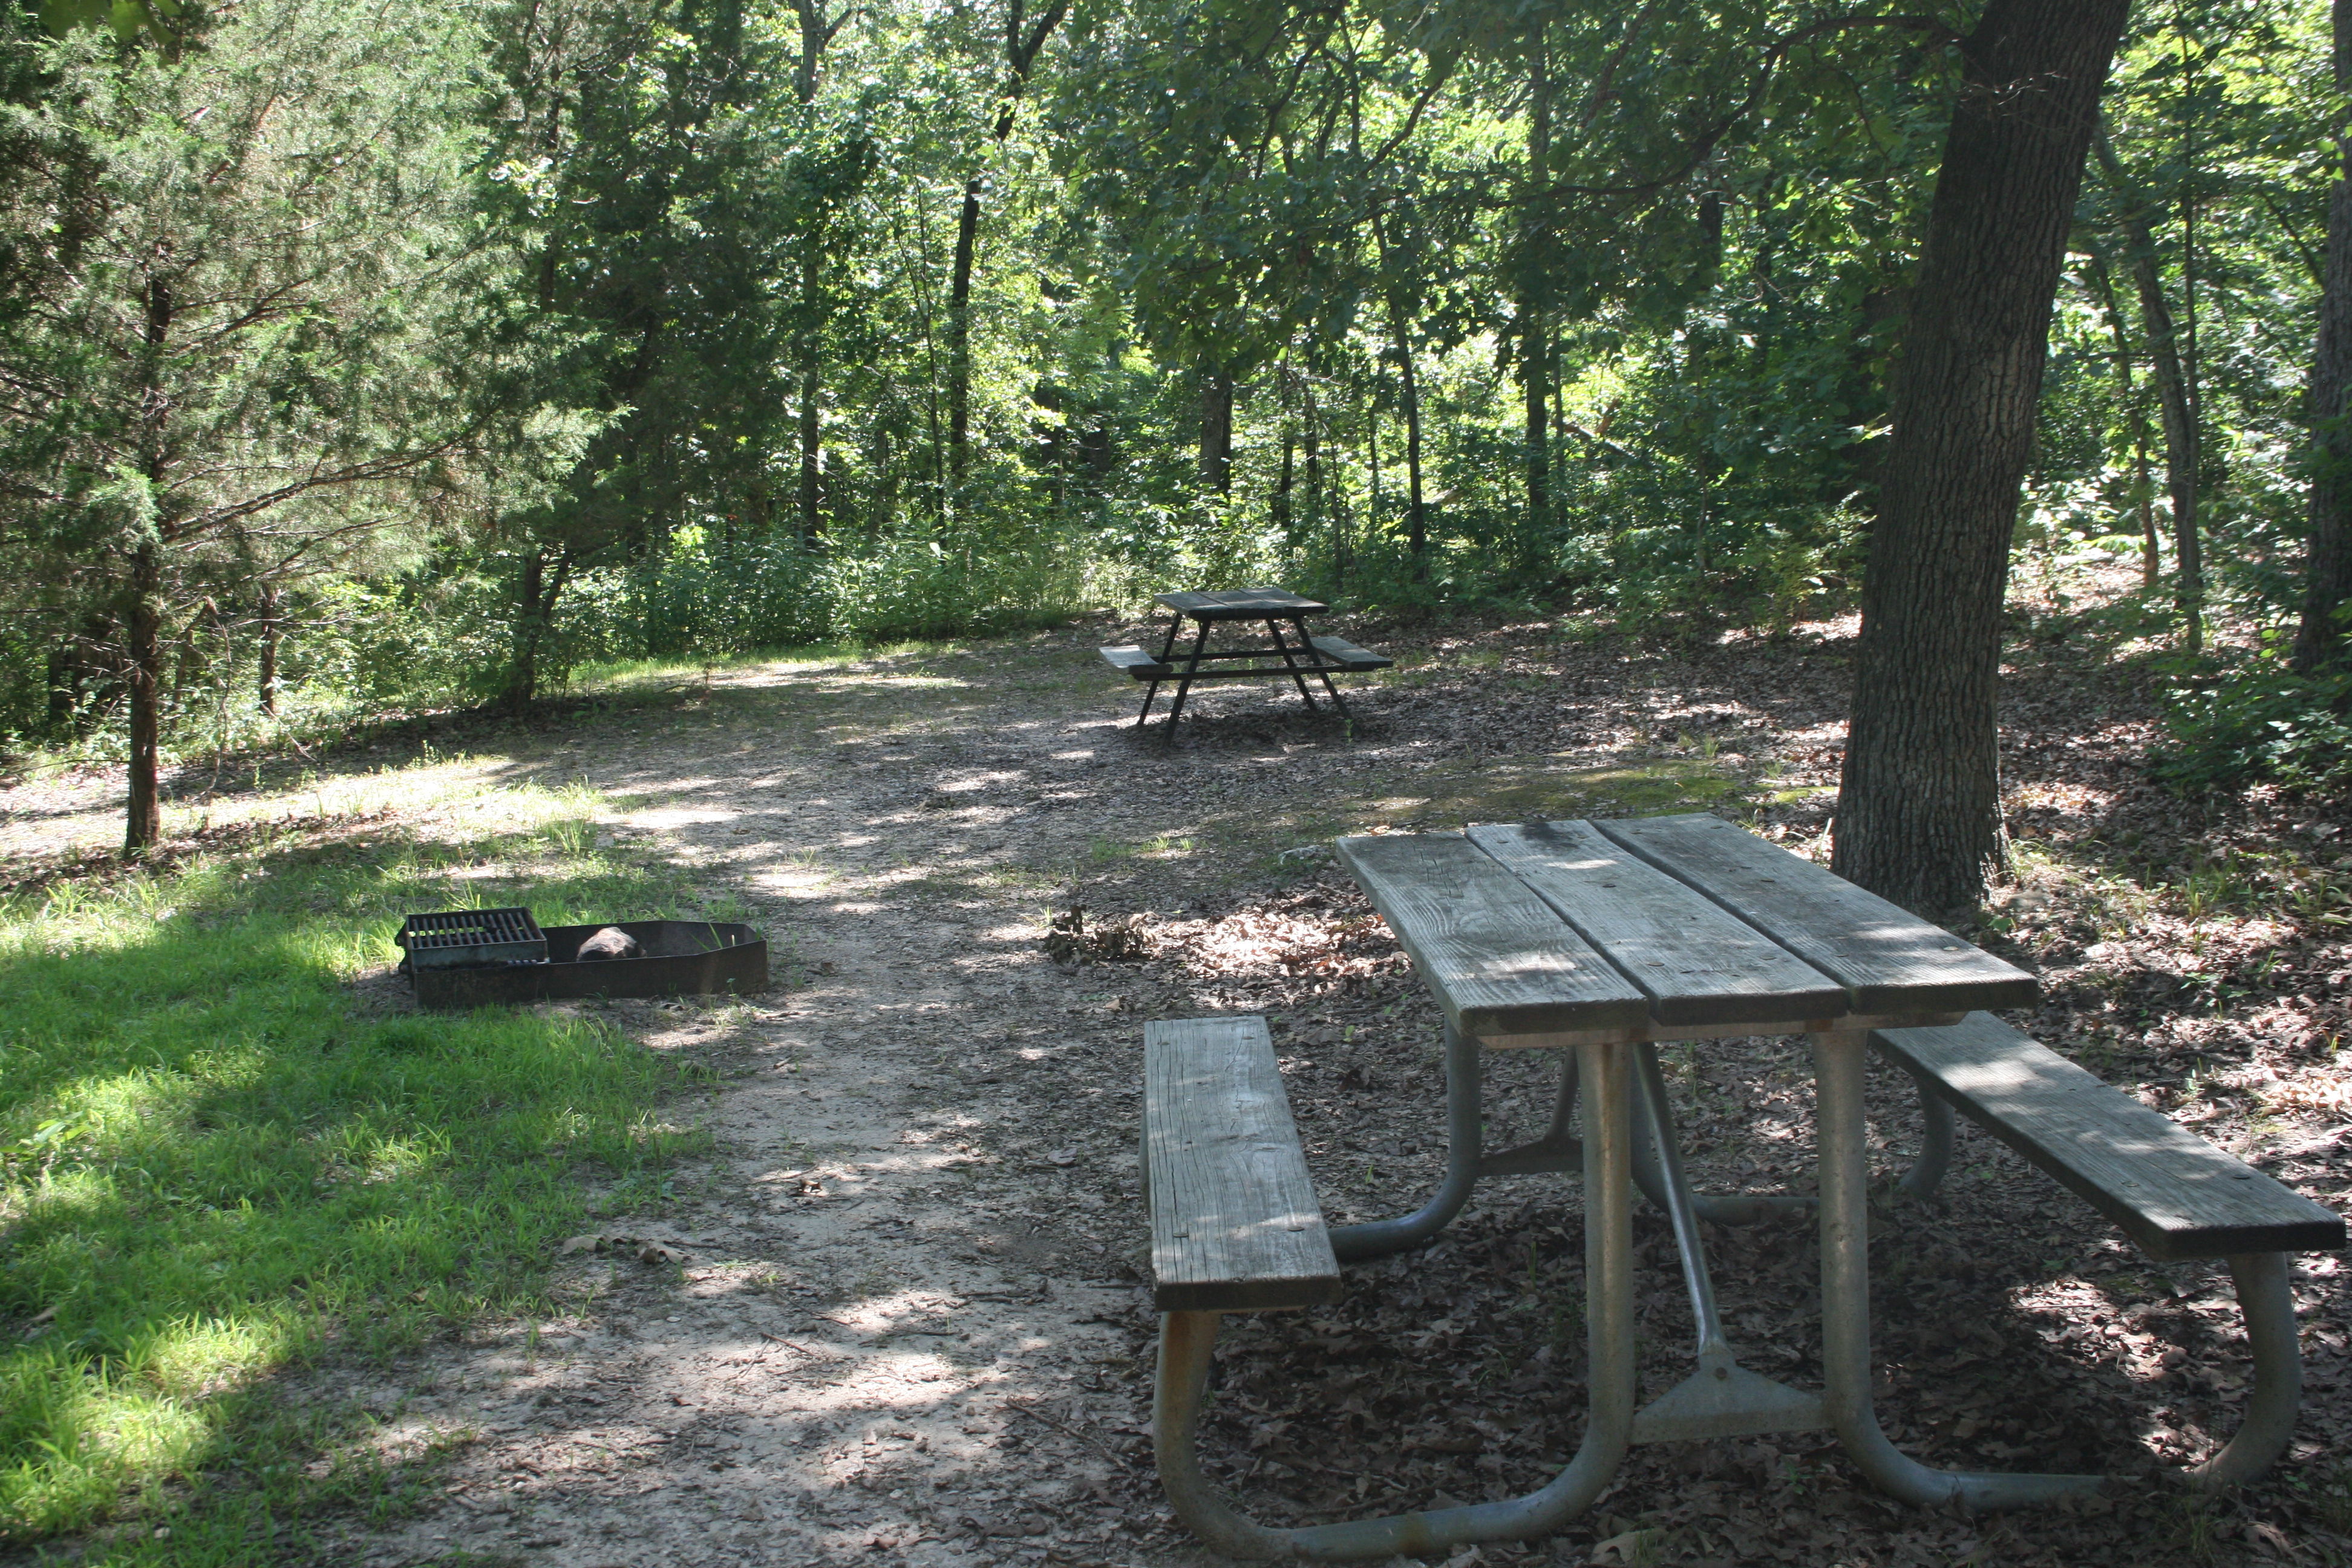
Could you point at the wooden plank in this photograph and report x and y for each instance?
(1890, 960)
(1240, 604)
(2173, 1192)
(1698, 962)
(1499, 960)
(1136, 662)
(1234, 1224)
(1348, 655)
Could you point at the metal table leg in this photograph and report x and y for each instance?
(1186, 1340)
(1298, 622)
(1722, 1398)
(1184, 680)
(1298, 676)
(1838, 1058)
(1175, 625)
(1464, 1132)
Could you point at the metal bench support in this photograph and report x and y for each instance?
(1187, 1340)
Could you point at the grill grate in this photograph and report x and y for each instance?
(454, 939)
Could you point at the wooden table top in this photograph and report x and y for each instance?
(1659, 927)
(1242, 604)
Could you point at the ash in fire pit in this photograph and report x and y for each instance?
(610, 943)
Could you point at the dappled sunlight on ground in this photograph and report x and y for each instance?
(896, 1315)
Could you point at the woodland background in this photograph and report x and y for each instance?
(360, 359)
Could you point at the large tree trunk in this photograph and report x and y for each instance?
(2178, 410)
(1919, 804)
(1020, 55)
(2328, 561)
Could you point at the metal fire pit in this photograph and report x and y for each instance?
(472, 939)
(681, 958)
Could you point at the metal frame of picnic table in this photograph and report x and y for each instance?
(1615, 1067)
(1264, 603)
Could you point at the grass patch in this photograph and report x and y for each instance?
(214, 1161)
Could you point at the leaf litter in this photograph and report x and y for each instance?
(912, 1325)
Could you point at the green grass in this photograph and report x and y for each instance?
(215, 1163)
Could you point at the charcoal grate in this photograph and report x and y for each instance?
(453, 939)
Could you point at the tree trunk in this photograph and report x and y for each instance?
(1217, 431)
(959, 341)
(270, 629)
(144, 657)
(2173, 395)
(1919, 802)
(1535, 336)
(540, 593)
(2135, 417)
(1416, 520)
(144, 622)
(811, 456)
(1278, 507)
(2328, 558)
(1312, 438)
(1020, 55)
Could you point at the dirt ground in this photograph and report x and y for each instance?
(898, 1315)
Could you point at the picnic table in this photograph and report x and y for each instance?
(1602, 940)
(1300, 653)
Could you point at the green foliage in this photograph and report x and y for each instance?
(213, 1157)
(2261, 723)
(668, 286)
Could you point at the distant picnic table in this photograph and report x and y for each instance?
(1301, 655)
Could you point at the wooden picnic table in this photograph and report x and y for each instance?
(1602, 940)
(1300, 653)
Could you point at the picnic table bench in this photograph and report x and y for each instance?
(1606, 938)
(1300, 655)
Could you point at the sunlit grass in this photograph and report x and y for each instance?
(622, 676)
(214, 1160)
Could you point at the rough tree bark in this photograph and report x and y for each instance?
(1919, 804)
(1020, 55)
(2327, 560)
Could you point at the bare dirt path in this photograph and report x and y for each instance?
(896, 1315)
